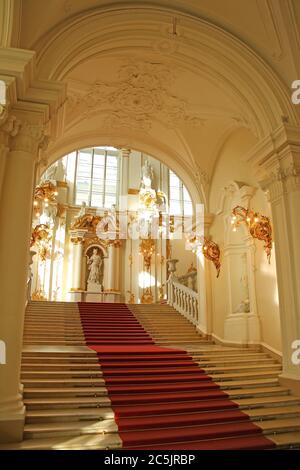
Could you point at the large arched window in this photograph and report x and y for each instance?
(93, 175)
(180, 202)
(96, 177)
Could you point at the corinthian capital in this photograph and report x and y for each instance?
(9, 125)
(30, 138)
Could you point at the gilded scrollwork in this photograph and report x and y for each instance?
(211, 251)
(259, 226)
(147, 247)
(87, 221)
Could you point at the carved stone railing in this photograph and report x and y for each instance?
(183, 299)
(189, 280)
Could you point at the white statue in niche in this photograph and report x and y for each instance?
(244, 306)
(95, 267)
(147, 175)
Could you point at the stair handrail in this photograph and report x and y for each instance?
(189, 280)
(183, 299)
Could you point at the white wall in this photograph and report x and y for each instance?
(230, 167)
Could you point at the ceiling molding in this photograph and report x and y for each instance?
(295, 27)
(268, 15)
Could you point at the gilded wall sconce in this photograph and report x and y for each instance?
(259, 226)
(147, 247)
(211, 251)
(44, 194)
(209, 248)
(40, 237)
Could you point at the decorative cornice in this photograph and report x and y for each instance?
(27, 94)
(272, 151)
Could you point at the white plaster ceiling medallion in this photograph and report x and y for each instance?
(141, 93)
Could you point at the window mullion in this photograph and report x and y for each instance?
(91, 179)
(75, 180)
(104, 180)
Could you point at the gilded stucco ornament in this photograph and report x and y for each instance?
(259, 226)
(131, 297)
(147, 297)
(211, 251)
(40, 238)
(88, 221)
(147, 247)
(208, 247)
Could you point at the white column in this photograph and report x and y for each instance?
(15, 223)
(285, 203)
(113, 276)
(77, 240)
(124, 177)
(3, 155)
(204, 281)
(279, 158)
(9, 127)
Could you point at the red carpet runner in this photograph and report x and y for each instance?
(160, 396)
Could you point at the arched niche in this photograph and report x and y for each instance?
(88, 252)
(242, 323)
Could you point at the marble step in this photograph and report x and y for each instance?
(69, 368)
(179, 342)
(48, 392)
(243, 367)
(41, 322)
(82, 442)
(240, 375)
(103, 401)
(69, 414)
(233, 361)
(65, 374)
(231, 384)
(53, 403)
(276, 426)
(62, 382)
(270, 401)
(277, 411)
(53, 342)
(58, 352)
(258, 391)
(59, 336)
(286, 440)
(230, 355)
(221, 349)
(73, 428)
(104, 413)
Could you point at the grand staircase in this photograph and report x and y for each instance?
(99, 376)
